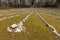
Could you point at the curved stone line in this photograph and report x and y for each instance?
(49, 26)
(8, 17)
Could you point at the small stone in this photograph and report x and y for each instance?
(12, 34)
(23, 20)
(14, 25)
(21, 23)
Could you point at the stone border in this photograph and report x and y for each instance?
(54, 31)
(19, 26)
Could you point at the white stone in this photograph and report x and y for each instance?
(23, 20)
(21, 23)
(9, 30)
(17, 30)
(52, 27)
(55, 32)
(14, 25)
(12, 16)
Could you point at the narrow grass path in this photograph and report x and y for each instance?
(36, 30)
(52, 20)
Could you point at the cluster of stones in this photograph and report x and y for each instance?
(18, 27)
(49, 26)
(7, 14)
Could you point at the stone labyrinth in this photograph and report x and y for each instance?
(29, 22)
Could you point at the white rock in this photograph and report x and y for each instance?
(51, 27)
(23, 20)
(9, 30)
(55, 32)
(14, 25)
(21, 23)
(17, 30)
(59, 35)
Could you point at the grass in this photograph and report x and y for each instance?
(52, 20)
(35, 28)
